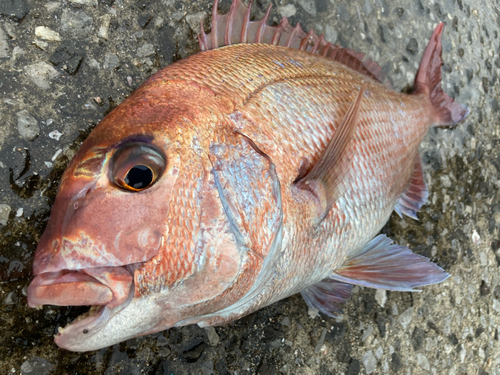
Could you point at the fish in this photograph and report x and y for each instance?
(262, 166)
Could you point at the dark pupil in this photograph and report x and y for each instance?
(139, 177)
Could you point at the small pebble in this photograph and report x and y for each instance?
(309, 6)
(381, 297)
(496, 305)
(93, 63)
(331, 34)
(55, 135)
(45, 33)
(104, 27)
(423, 361)
(27, 125)
(111, 61)
(41, 44)
(406, 317)
(76, 24)
(412, 46)
(285, 321)
(36, 365)
(41, 74)
(213, 337)
(19, 212)
(320, 342)
(394, 309)
(146, 50)
(11, 298)
(379, 352)
(4, 44)
(84, 2)
(4, 214)
(52, 6)
(367, 333)
(483, 258)
(475, 237)
(56, 154)
(287, 10)
(144, 20)
(430, 344)
(369, 361)
(462, 353)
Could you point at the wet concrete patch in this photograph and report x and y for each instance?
(113, 46)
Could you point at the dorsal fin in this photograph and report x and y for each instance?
(236, 27)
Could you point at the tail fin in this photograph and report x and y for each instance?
(428, 81)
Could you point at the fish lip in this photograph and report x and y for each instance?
(89, 323)
(51, 288)
(86, 325)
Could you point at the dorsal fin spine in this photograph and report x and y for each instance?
(316, 45)
(246, 22)
(279, 30)
(262, 25)
(229, 23)
(325, 50)
(202, 38)
(237, 28)
(292, 35)
(213, 33)
(305, 42)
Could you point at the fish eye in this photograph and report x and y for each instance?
(136, 166)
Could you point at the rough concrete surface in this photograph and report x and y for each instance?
(52, 93)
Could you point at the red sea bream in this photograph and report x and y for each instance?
(262, 166)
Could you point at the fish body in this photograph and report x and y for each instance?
(269, 170)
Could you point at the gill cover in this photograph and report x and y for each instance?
(250, 192)
(248, 187)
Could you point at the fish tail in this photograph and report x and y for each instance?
(446, 111)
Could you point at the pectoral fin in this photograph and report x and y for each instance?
(325, 179)
(384, 265)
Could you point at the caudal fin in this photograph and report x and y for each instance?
(428, 81)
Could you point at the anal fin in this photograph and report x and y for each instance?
(327, 296)
(415, 195)
(384, 265)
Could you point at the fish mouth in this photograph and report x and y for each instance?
(105, 289)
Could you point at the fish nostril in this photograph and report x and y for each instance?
(75, 205)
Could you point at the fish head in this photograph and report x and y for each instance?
(141, 229)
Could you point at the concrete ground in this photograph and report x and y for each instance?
(58, 82)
